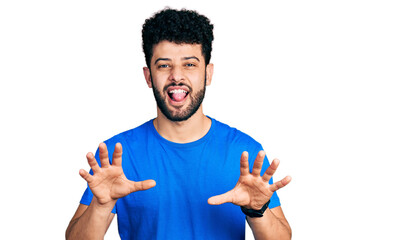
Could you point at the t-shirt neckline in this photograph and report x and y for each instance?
(183, 145)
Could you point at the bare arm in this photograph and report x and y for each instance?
(108, 184)
(273, 225)
(252, 191)
(89, 222)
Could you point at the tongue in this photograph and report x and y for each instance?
(178, 97)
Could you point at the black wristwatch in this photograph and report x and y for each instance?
(255, 213)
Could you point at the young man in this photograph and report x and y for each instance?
(194, 160)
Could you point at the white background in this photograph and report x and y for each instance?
(319, 83)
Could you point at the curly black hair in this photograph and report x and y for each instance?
(178, 26)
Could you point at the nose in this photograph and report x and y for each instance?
(176, 75)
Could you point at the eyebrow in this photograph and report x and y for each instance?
(162, 59)
(184, 58)
(188, 58)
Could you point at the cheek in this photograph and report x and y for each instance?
(197, 79)
(158, 87)
(159, 81)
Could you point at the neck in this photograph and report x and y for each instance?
(186, 131)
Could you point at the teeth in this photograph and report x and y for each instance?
(178, 91)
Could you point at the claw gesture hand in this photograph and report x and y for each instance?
(108, 183)
(252, 191)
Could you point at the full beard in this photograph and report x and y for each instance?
(179, 115)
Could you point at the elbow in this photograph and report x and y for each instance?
(289, 233)
(69, 229)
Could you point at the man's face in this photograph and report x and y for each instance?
(178, 76)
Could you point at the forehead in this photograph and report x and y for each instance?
(166, 49)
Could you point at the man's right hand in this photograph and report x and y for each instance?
(108, 182)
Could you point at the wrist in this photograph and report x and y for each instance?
(255, 213)
(105, 206)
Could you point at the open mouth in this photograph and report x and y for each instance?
(177, 94)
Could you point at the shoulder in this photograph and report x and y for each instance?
(234, 136)
(134, 135)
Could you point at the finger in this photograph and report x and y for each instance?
(142, 185)
(280, 184)
(103, 155)
(271, 170)
(117, 160)
(92, 162)
(244, 164)
(221, 199)
(257, 165)
(86, 176)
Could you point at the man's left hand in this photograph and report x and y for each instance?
(252, 191)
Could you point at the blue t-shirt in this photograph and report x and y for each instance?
(186, 176)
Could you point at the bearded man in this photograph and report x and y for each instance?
(208, 178)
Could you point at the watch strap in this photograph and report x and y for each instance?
(255, 213)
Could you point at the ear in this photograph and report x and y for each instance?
(148, 78)
(209, 71)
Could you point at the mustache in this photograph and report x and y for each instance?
(176, 85)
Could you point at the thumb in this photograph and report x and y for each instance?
(143, 185)
(221, 199)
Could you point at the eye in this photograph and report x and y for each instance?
(163, 66)
(190, 65)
